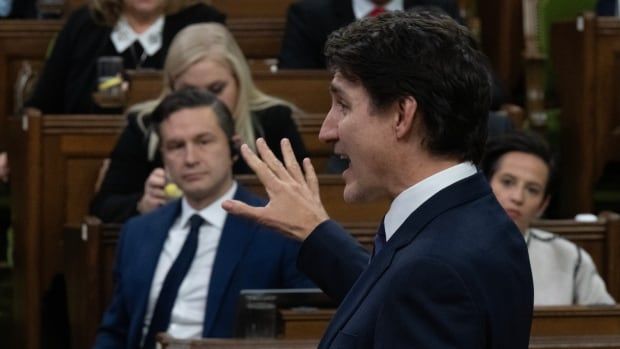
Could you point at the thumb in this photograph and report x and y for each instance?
(239, 208)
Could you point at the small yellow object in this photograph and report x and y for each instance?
(172, 191)
(109, 83)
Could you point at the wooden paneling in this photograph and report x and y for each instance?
(234, 9)
(502, 38)
(252, 8)
(54, 161)
(588, 87)
(19, 41)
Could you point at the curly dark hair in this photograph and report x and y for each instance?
(427, 55)
(524, 142)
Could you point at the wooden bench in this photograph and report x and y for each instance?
(307, 89)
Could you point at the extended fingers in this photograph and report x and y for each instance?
(311, 179)
(291, 161)
(270, 159)
(264, 174)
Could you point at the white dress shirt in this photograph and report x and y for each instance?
(189, 308)
(123, 36)
(361, 8)
(413, 197)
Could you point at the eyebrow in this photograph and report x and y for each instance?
(337, 90)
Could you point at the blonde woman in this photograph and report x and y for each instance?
(204, 56)
(140, 31)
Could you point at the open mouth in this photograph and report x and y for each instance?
(343, 160)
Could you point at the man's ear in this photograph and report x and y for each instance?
(406, 109)
(543, 206)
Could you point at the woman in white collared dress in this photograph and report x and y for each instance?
(137, 30)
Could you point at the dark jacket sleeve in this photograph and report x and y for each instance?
(123, 184)
(606, 8)
(303, 40)
(48, 95)
(333, 259)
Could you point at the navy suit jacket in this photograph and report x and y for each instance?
(456, 274)
(248, 256)
(309, 22)
(606, 7)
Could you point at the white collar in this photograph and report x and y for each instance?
(413, 197)
(123, 36)
(361, 8)
(214, 214)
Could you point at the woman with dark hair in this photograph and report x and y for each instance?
(139, 31)
(520, 168)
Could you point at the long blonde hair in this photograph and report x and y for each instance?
(107, 12)
(212, 40)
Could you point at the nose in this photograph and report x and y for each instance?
(329, 129)
(190, 155)
(517, 195)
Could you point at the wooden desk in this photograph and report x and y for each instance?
(547, 321)
(544, 342)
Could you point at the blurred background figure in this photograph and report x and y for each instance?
(138, 31)
(309, 22)
(520, 169)
(607, 7)
(16, 9)
(203, 56)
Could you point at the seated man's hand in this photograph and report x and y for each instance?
(154, 195)
(294, 204)
(4, 167)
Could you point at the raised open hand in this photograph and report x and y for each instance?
(294, 206)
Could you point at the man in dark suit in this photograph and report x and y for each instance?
(410, 98)
(180, 268)
(606, 7)
(309, 22)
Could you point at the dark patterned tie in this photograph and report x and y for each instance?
(172, 282)
(379, 240)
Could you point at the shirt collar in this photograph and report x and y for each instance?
(361, 8)
(214, 214)
(123, 36)
(413, 197)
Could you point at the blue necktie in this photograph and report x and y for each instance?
(379, 240)
(172, 282)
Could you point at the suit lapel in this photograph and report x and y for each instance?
(154, 237)
(459, 193)
(236, 236)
